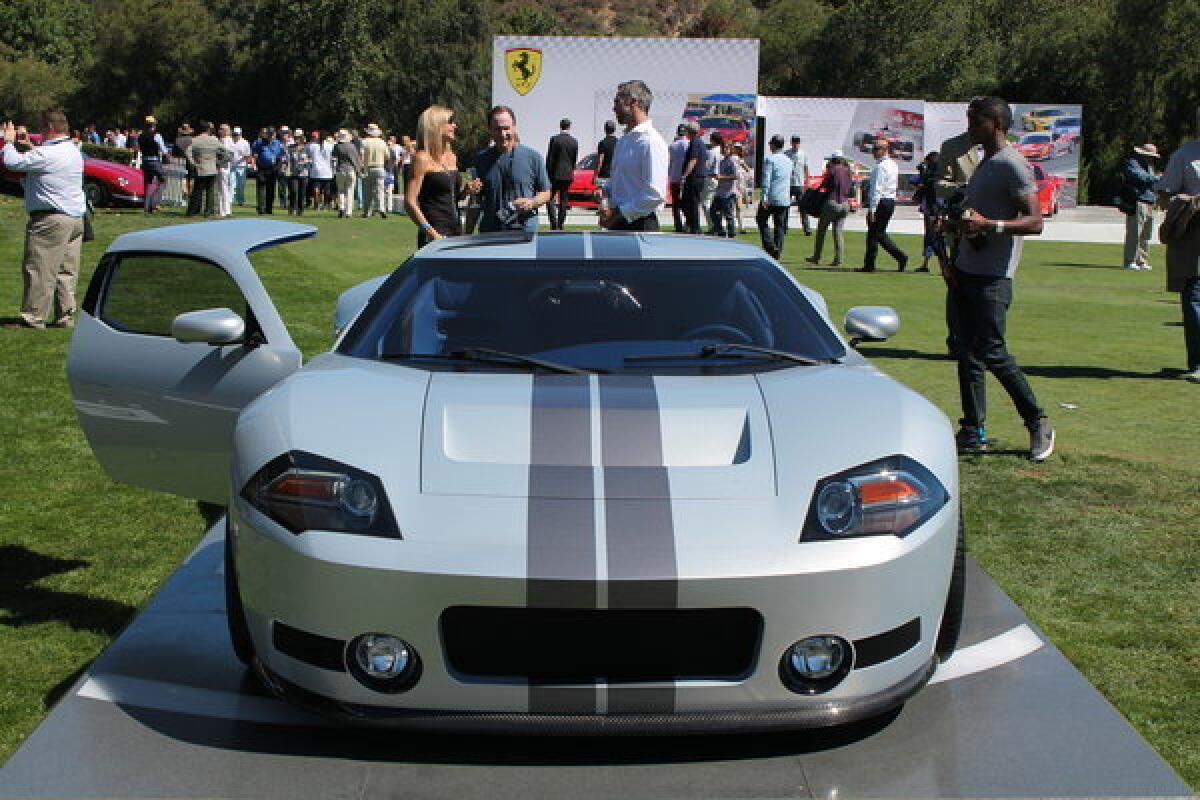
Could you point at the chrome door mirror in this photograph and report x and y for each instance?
(871, 324)
(210, 326)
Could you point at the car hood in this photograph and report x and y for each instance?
(616, 436)
(515, 435)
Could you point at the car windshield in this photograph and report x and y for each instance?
(721, 122)
(591, 315)
(1036, 138)
(587, 162)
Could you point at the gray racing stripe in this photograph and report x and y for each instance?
(560, 246)
(561, 524)
(640, 534)
(616, 246)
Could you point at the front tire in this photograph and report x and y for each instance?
(96, 194)
(952, 616)
(235, 614)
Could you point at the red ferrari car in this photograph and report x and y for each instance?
(731, 128)
(1049, 188)
(1036, 146)
(105, 183)
(584, 191)
(814, 182)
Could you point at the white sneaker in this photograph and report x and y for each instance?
(1193, 376)
(1133, 267)
(1146, 268)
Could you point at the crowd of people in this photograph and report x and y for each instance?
(977, 192)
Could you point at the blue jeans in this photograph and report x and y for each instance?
(1189, 298)
(722, 211)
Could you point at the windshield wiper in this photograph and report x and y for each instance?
(735, 350)
(487, 355)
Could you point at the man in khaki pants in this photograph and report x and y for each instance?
(376, 161)
(54, 235)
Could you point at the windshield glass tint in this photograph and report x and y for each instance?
(592, 315)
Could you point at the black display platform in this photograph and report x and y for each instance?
(166, 711)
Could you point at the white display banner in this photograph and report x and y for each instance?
(849, 125)
(943, 121)
(547, 78)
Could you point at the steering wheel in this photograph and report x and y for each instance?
(719, 331)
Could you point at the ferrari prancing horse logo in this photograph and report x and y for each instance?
(524, 65)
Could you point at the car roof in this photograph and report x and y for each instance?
(217, 241)
(589, 246)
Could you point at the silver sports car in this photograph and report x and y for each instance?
(566, 482)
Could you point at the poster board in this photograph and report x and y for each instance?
(548, 78)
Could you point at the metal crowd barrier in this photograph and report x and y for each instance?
(172, 193)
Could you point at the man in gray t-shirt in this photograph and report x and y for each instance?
(997, 190)
(1001, 206)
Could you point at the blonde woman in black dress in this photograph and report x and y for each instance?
(433, 192)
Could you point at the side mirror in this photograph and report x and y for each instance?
(210, 326)
(352, 301)
(871, 324)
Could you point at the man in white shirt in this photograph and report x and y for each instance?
(243, 157)
(54, 235)
(637, 188)
(711, 165)
(676, 155)
(881, 204)
(800, 177)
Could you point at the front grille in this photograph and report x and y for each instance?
(559, 646)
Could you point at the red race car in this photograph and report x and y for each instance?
(105, 183)
(1037, 146)
(1049, 188)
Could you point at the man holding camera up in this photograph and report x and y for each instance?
(512, 183)
(1001, 207)
(53, 181)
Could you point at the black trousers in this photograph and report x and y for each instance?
(981, 308)
(153, 180)
(768, 217)
(797, 193)
(557, 207)
(676, 190)
(265, 183)
(297, 190)
(877, 235)
(204, 192)
(693, 189)
(646, 223)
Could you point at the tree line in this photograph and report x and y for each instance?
(1131, 63)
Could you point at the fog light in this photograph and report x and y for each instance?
(382, 662)
(816, 664)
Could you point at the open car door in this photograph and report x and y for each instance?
(159, 411)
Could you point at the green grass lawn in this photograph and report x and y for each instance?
(1098, 545)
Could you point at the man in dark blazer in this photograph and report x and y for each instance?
(560, 164)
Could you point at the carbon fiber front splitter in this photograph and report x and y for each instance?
(806, 713)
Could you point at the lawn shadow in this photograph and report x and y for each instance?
(1081, 371)
(1078, 265)
(903, 353)
(22, 602)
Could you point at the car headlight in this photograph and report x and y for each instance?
(893, 495)
(305, 492)
(123, 181)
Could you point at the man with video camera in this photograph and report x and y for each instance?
(1000, 208)
(512, 182)
(53, 183)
